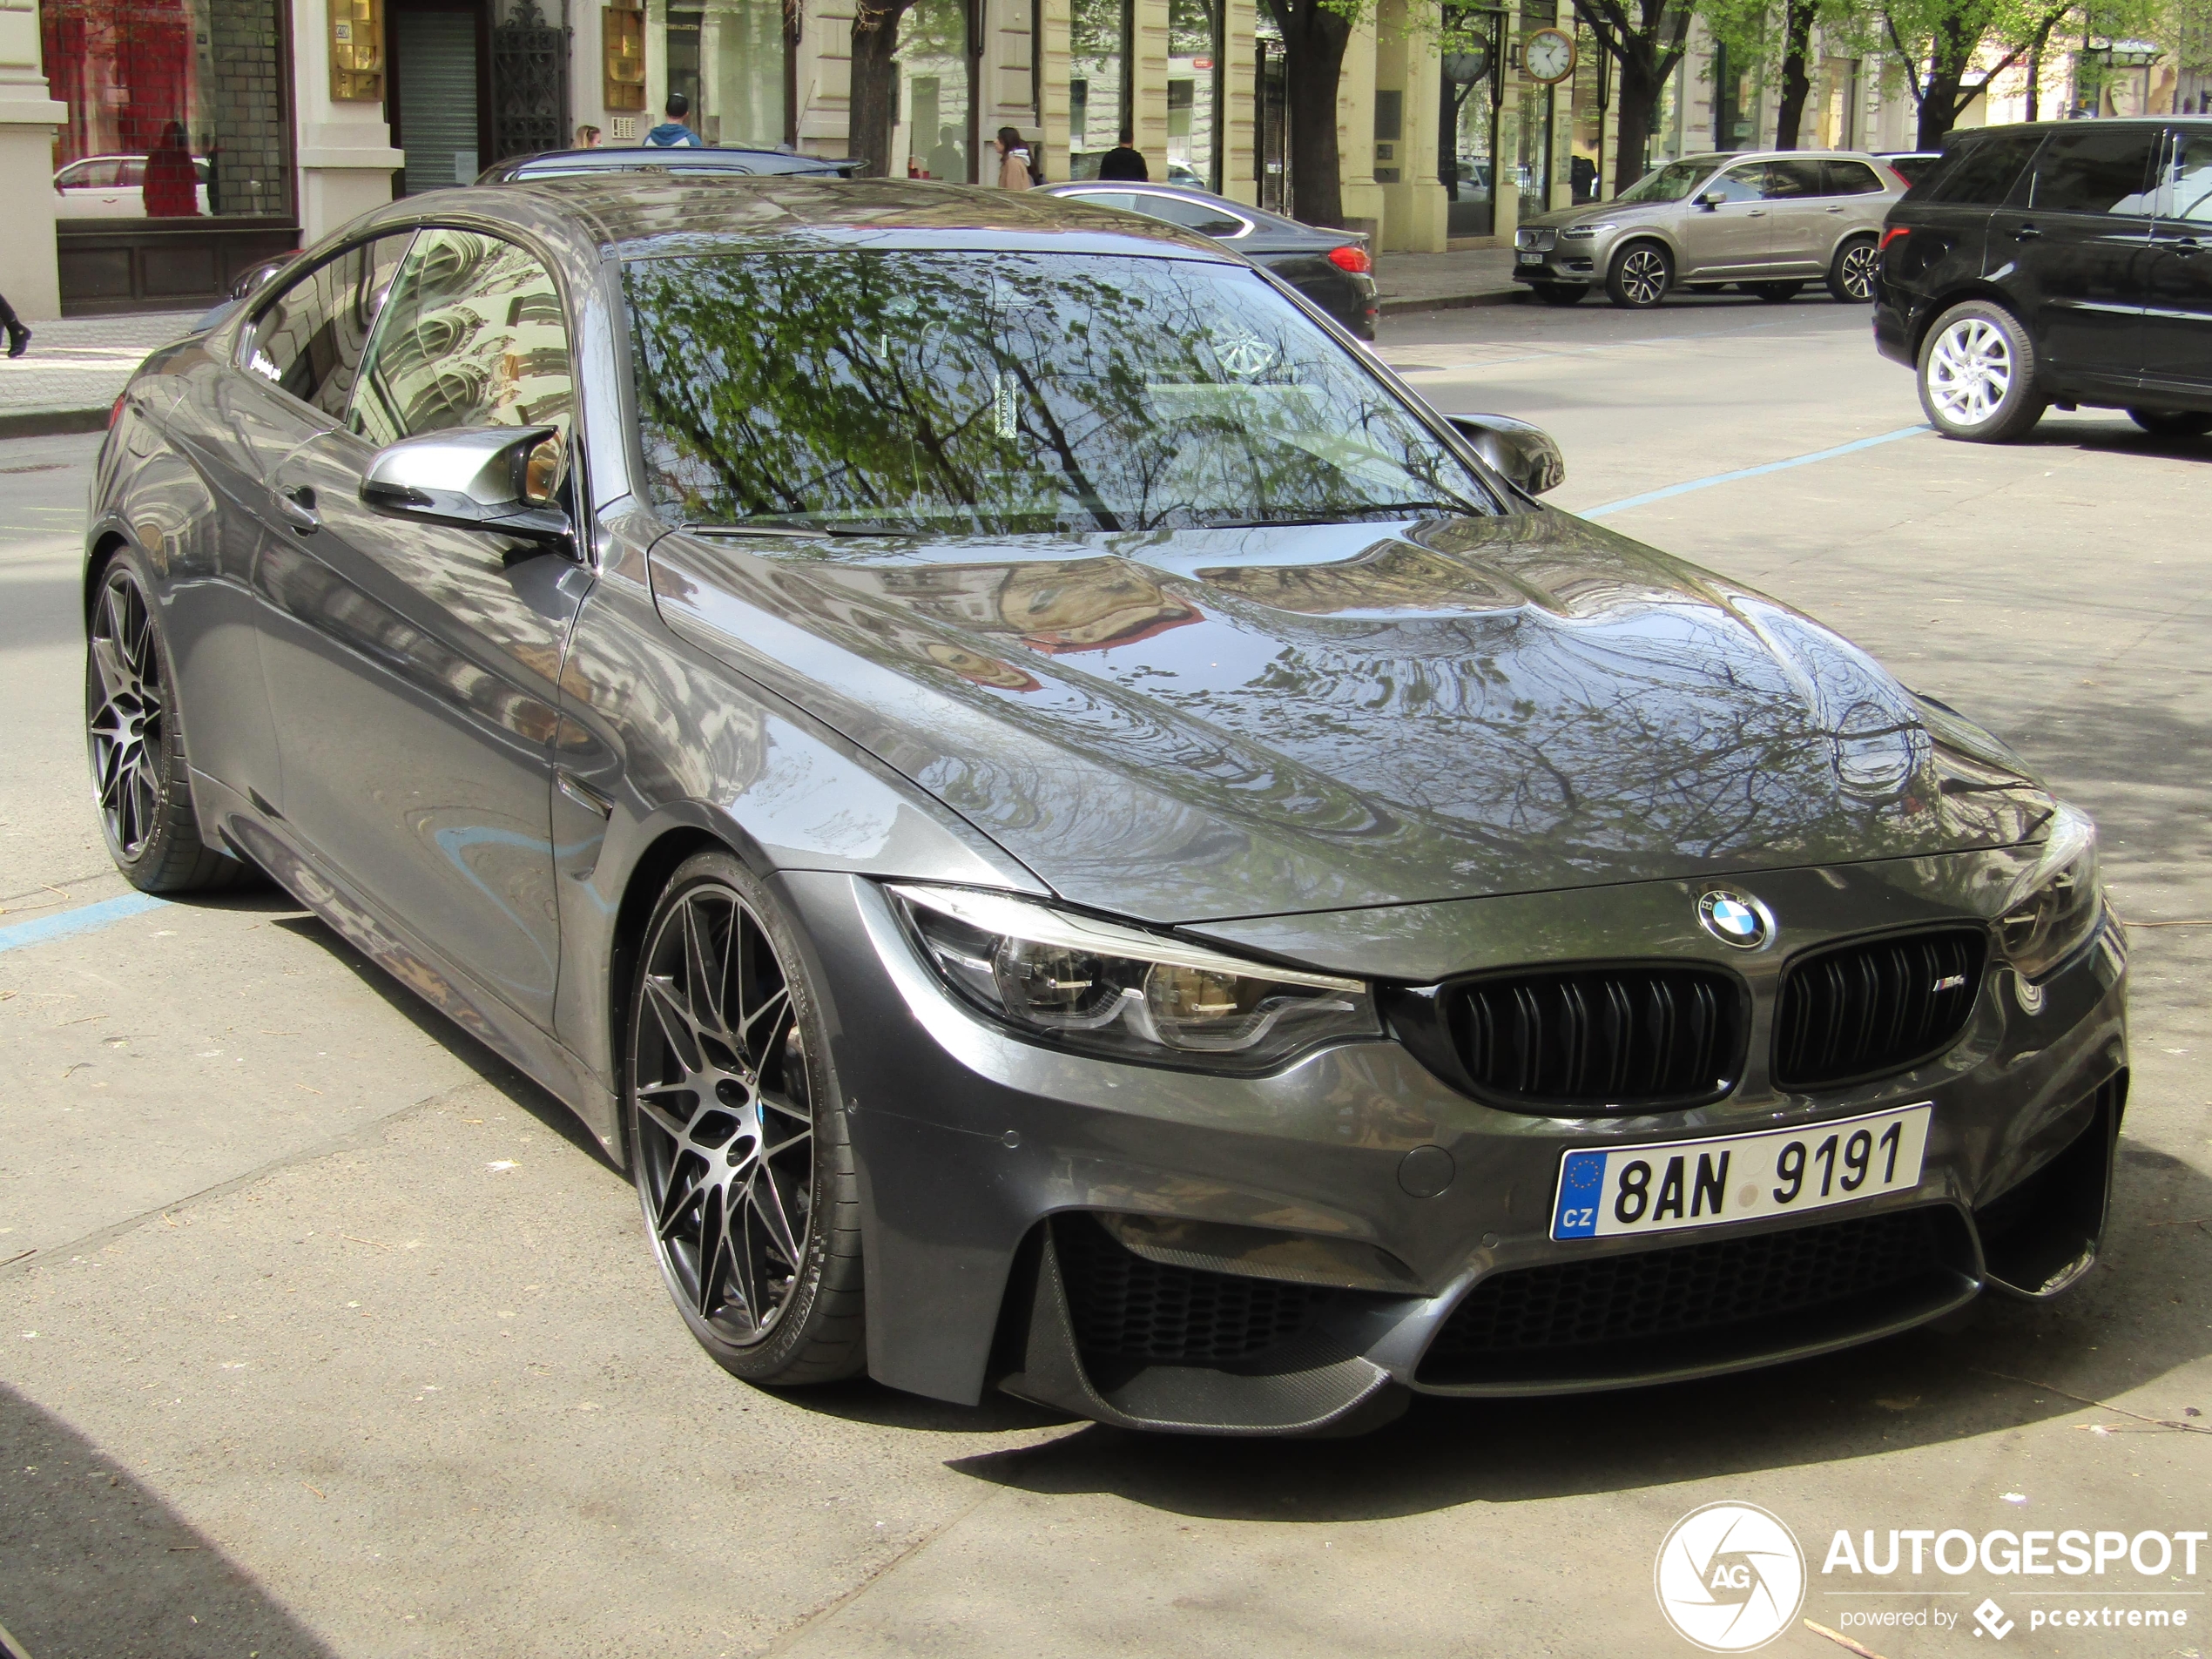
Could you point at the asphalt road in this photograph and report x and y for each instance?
(324, 1334)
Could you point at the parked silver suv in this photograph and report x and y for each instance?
(1769, 222)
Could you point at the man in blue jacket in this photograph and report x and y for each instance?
(672, 134)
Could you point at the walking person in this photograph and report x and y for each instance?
(172, 187)
(1124, 161)
(18, 336)
(1013, 160)
(587, 137)
(673, 133)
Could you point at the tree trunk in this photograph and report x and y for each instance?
(1945, 95)
(876, 84)
(1639, 100)
(2035, 81)
(1314, 38)
(1797, 83)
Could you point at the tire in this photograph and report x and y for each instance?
(736, 1114)
(1851, 276)
(2172, 423)
(1776, 294)
(1977, 375)
(1562, 294)
(134, 735)
(1639, 277)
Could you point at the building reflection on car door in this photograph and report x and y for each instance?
(1730, 237)
(2176, 351)
(414, 668)
(2076, 236)
(1802, 216)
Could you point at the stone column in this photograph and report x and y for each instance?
(1239, 114)
(1363, 197)
(1147, 71)
(28, 117)
(1416, 212)
(345, 150)
(1053, 101)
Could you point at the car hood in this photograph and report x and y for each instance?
(1189, 725)
(1613, 213)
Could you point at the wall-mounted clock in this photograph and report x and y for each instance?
(1548, 55)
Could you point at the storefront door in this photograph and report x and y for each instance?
(437, 106)
(1467, 139)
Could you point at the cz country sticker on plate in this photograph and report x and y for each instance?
(1609, 1190)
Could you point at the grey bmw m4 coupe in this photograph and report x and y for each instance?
(1070, 832)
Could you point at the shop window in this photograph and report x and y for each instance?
(728, 58)
(1466, 140)
(1193, 91)
(1098, 50)
(139, 80)
(936, 135)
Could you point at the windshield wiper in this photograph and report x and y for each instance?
(1378, 514)
(776, 527)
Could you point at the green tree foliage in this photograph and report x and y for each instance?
(1645, 39)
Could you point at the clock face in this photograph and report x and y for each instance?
(1549, 55)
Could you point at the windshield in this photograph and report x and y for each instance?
(870, 392)
(1671, 184)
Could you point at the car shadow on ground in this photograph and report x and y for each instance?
(2004, 1364)
(93, 1565)
(2109, 431)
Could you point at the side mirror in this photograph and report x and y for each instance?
(1712, 198)
(475, 478)
(1525, 455)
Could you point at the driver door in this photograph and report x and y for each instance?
(1731, 238)
(414, 668)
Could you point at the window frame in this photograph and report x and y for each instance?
(249, 330)
(1246, 225)
(2033, 173)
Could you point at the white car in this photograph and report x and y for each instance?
(111, 188)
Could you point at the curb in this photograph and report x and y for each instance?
(52, 423)
(1413, 304)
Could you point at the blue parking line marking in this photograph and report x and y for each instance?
(1672, 490)
(85, 919)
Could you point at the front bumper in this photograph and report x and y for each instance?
(1544, 256)
(1287, 1254)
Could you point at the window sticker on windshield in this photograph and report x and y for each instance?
(1244, 355)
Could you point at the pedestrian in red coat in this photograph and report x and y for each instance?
(172, 183)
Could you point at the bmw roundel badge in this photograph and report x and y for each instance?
(1735, 919)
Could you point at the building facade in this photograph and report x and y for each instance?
(293, 116)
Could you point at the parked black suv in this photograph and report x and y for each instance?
(2058, 262)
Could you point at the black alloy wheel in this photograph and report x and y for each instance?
(737, 1135)
(2172, 423)
(1640, 276)
(1850, 277)
(1560, 294)
(1775, 293)
(134, 736)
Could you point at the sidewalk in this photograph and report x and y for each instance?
(77, 367)
(1412, 282)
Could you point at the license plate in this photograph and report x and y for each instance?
(1670, 1184)
(1532, 258)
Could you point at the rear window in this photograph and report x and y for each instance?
(1850, 179)
(2103, 170)
(1979, 174)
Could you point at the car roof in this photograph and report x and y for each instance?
(687, 158)
(1204, 198)
(645, 216)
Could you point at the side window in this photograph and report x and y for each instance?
(1850, 179)
(1795, 180)
(1982, 174)
(1121, 201)
(309, 338)
(1196, 216)
(1738, 184)
(132, 174)
(2186, 191)
(2096, 172)
(474, 336)
(89, 175)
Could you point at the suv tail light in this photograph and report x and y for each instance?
(1893, 232)
(1351, 257)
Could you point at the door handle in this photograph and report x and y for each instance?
(1757, 212)
(1835, 210)
(2027, 233)
(2186, 247)
(298, 506)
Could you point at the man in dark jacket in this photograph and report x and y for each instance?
(1124, 161)
(672, 134)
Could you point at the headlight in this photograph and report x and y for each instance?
(1587, 230)
(2056, 904)
(1126, 994)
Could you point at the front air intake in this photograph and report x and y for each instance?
(1633, 1038)
(1879, 1005)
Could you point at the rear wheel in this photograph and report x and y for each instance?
(2172, 423)
(1640, 276)
(737, 1133)
(1850, 277)
(1775, 293)
(135, 736)
(1978, 374)
(1562, 294)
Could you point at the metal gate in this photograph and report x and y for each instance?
(530, 81)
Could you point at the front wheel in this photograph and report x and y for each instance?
(1640, 277)
(135, 739)
(1850, 277)
(737, 1133)
(1562, 294)
(2172, 423)
(1978, 374)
